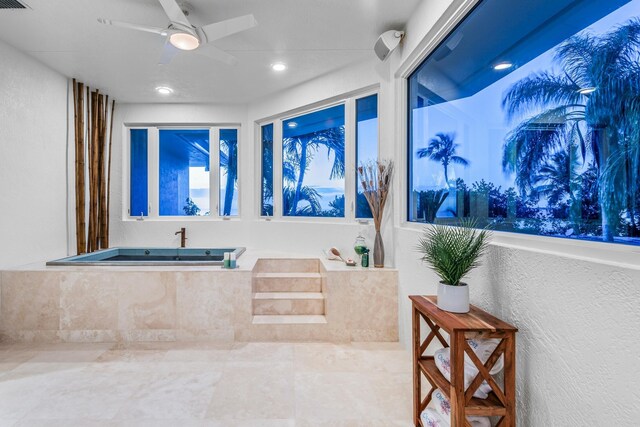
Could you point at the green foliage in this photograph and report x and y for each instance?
(557, 116)
(452, 252)
(299, 152)
(429, 203)
(442, 149)
(190, 208)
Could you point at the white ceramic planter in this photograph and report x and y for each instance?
(453, 298)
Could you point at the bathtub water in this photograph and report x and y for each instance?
(150, 256)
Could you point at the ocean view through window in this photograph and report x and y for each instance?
(531, 128)
(366, 145)
(313, 163)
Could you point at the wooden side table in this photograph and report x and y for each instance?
(475, 324)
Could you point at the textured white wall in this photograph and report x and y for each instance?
(577, 345)
(575, 303)
(33, 126)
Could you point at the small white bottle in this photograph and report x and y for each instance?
(232, 260)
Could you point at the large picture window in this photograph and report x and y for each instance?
(313, 164)
(171, 173)
(532, 128)
(308, 161)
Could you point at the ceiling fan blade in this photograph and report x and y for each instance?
(225, 28)
(174, 12)
(155, 30)
(217, 54)
(168, 52)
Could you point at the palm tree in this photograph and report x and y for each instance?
(594, 103)
(558, 180)
(308, 194)
(299, 152)
(553, 180)
(229, 163)
(442, 149)
(267, 171)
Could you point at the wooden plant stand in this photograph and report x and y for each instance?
(475, 324)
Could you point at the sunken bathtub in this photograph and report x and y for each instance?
(149, 257)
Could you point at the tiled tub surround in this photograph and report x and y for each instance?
(113, 304)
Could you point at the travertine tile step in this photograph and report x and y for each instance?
(288, 295)
(288, 265)
(287, 282)
(288, 319)
(288, 303)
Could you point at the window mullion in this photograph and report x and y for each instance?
(214, 172)
(350, 159)
(153, 158)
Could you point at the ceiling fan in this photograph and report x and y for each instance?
(181, 35)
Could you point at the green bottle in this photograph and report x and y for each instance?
(365, 259)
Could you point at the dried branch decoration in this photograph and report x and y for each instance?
(375, 178)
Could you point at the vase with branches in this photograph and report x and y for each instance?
(452, 252)
(375, 178)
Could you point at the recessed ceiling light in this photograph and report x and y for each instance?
(587, 90)
(292, 125)
(503, 66)
(278, 66)
(164, 90)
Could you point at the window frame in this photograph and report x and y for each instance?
(153, 170)
(350, 179)
(363, 220)
(612, 254)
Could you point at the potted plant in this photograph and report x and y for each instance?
(452, 252)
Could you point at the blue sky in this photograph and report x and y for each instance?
(479, 122)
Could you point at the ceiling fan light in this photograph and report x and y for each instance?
(184, 41)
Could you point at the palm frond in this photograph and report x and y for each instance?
(543, 90)
(460, 161)
(452, 252)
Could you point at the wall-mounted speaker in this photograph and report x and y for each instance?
(387, 41)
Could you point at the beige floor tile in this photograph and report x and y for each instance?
(326, 357)
(205, 384)
(132, 355)
(334, 396)
(87, 396)
(248, 391)
(65, 422)
(355, 423)
(259, 352)
(172, 396)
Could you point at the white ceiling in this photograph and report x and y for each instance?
(313, 37)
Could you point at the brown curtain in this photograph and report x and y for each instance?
(93, 136)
